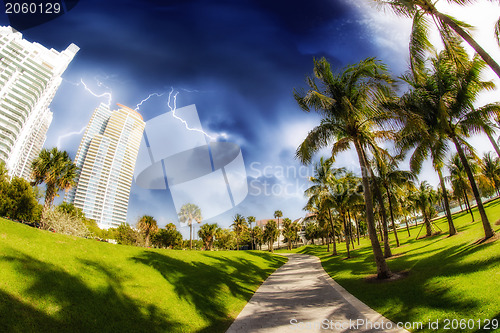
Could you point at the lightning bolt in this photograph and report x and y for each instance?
(59, 139)
(146, 99)
(173, 107)
(106, 94)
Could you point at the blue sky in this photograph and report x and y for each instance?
(238, 61)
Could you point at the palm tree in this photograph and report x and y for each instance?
(251, 219)
(278, 214)
(347, 102)
(389, 176)
(148, 225)
(270, 234)
(424, 198)
(450, 91)
(458, 180)
(490, 171)
(55, 169)
(448, 26)
(207, 234)
(187, 214)
(239, 225)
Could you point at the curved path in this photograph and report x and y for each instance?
(301, 297)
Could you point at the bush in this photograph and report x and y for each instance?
(64, 223)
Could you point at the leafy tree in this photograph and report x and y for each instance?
(169, 237)
(207, 234)
(348, 101)
(57, 171)
(189, 213)
(239, 226)
(312, 231)
(270, 234)
(225, 239)
(125, 235)
(147, 225)
(18, 200)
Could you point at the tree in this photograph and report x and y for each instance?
(18, 200)
(459, 182)
(450, 91)
(449, 27)
(147, 225)
(270, 234)
(347, 102)
(188, 214)
(239, 226)
(225, 238)
(65, 223)
(207, 233)
(289, 232)
(258, 236)
(169, 237)
(251, 219)
(278, 214)
(424, 197)
(57, 171)
(490, 172)
(311, 232)
(125, 235)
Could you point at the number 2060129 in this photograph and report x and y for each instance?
(32, 8)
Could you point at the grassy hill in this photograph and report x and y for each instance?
(448, 277)
(53, 282)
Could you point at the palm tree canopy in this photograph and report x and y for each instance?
(54, 168)
(239, 223)
(147, 224)
(190, 212)
(347, 102)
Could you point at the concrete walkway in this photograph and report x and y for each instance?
(301, 297)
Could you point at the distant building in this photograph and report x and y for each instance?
(106, 159)
(30, 75)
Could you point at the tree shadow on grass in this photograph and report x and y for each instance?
(65, 303)
(205, 285)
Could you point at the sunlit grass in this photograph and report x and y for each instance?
(448, 277)
(52, 282)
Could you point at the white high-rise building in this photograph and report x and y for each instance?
(106, 159)
(30, 75)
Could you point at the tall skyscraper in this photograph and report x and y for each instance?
(106, 160)
(30, 75)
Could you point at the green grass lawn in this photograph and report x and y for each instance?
(52, 282)
(448, 277)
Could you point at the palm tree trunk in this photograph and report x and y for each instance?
(357, 226)
(191, 235)
(333, 231)
(493, 142)
(346, 236)
(488, 231)
(451, 226)
(407, 227)
(428, 227)
(383, 215)
(350, 229)
(392, 217)
(467, 205)
(50, 194)
(462, 33)
(383, 271)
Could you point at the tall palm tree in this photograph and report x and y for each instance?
(251, 219)
(449, 27)
(55, 169)
(239, 226)
(190, 213)
(148, 225)
(450, 91)
(347, 103)
(278, 214)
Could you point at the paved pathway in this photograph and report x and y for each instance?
(301, 297)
